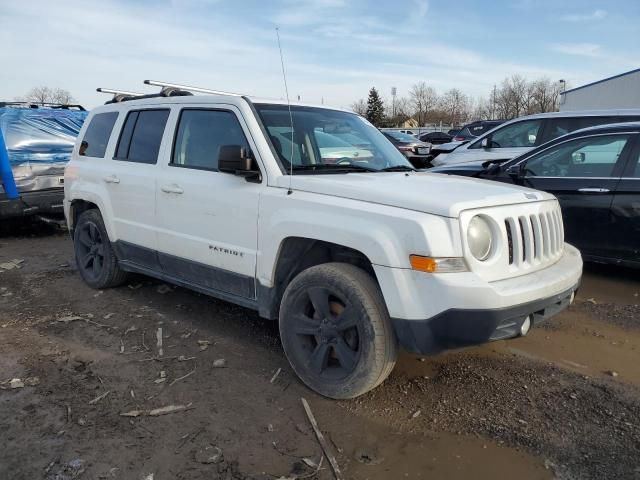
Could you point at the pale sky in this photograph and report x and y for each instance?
(334, 50)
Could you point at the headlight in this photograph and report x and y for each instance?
(479, 238)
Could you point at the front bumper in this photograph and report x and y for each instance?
(42, 202)
(432, 312)
(459, 328)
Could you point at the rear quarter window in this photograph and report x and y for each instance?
(96, 138)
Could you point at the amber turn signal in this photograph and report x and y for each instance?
(423, 264)
(438, 265)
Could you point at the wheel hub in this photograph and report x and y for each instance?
(328, 331)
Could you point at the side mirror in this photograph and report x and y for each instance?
(516, 171)
(486, 142)
(238, 160)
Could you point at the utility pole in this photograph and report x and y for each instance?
(493, 103)
(393, 101)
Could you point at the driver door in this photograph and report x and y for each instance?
(583, 174)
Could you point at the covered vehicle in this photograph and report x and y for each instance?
(35, 145)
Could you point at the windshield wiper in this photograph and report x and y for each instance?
(332, 168)
(398, 168)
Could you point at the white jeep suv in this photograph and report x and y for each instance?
(356, 257)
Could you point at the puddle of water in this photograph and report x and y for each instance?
(442, 456)
(610, 284)
(583, 345)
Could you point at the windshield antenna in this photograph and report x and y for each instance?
(286, 90)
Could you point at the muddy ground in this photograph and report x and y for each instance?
(563, 402)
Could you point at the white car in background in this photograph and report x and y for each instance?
(334, 149)
(520, 135)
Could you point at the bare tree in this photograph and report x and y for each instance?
(62, 96)
(455, 106)
(404, 107)
(545, 95)
(423, 100)
(481, 110)
(42, 95)
(359, 107)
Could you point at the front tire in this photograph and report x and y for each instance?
(95, 258)
(336, 331)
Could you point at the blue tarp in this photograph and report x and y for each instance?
(40, 134)
(37, 137)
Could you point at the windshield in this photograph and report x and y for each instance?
(403, 137)
(323, 138)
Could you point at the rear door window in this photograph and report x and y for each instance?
(141, 136)
(519, 134)
(96, 138)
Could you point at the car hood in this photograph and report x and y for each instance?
(475, 166)
(437, 194)
(450, 146)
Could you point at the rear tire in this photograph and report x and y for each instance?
(95, 258)
(336, 331)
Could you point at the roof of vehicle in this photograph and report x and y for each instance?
(480, 122)
(580, 113)
(45, 105)
(193, 99)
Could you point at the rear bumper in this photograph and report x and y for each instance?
(456, 328)
(43, 202)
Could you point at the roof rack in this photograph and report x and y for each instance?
(166, 90)
(189, 88)
(55, 106)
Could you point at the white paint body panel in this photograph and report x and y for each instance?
(385, 216)
(216, 213)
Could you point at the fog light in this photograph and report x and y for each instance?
(526, 325)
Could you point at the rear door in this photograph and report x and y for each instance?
(625, 211)
(131, 182)
(583, 174)
(207, 219)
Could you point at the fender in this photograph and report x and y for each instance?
(385, 235)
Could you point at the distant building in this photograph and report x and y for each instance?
(619, 91)
(410, 123)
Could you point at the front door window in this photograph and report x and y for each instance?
(591, 157)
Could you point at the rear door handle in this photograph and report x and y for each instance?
(111, 179)
(171, 189)
(593, 190)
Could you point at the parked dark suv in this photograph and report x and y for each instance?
(475, 129)
(595, 173)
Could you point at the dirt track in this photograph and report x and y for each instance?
(542, 406)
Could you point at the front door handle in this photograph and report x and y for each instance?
(593, 190)
(111, 179)
(171, 189)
